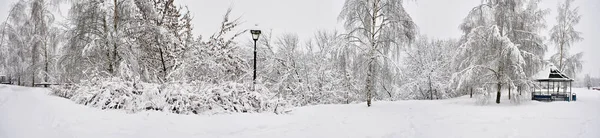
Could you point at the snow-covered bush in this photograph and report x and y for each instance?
(64, 91)
(518, 99)
(109, 93)
(180, 98)
(484, 97)
(236, 97)
(162, 67)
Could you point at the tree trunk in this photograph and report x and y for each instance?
(509, 92)
(430, 89)
(114, 56)
(33, 78)
(164, 66)
(106, 43)
(162, 58)
(115, 25)
(471, 92)
(46, 63)
(370, 79)
(371, 71)
(560, 60)
(498, 94)
(33, 68)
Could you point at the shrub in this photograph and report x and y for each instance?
(175, 97)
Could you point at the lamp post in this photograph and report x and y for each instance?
(255, 36)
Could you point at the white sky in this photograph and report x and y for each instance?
(435, 18)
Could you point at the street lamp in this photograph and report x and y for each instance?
(255, 36)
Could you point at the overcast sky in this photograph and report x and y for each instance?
(435, 18)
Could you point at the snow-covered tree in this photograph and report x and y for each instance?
(525, 30)
(501, 45)
(158, 64)
(572, 64)
(96, 38)
(16, 36)
(30, 34)
(587, 81)
(426, 69)
(487, 58)
(289, 67)
(219, 59)
(563, 35)
(314, 72)
(160, 37)
(379, 28)
(3, 50)
(330, 63)
(142, 40)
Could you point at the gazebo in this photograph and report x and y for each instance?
(556, 86)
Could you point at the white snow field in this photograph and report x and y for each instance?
(32, 113)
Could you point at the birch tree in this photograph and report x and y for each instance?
(32, 37)
(563, 35)
(377, 27)
(502, 45)
(572, 64)
(16, 32)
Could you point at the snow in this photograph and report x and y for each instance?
(545, 71)
(32, 113)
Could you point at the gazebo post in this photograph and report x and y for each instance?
(553, 86)
(558, 87)
(570, 91)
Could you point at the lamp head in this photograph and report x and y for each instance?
(255, 34)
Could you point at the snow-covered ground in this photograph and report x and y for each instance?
(32, 113)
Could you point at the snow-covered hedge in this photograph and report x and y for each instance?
(180, 98)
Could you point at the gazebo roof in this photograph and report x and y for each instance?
(552, 74)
